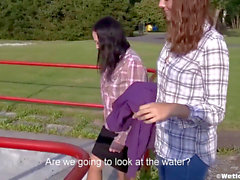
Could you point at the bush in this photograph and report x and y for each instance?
(59, 19)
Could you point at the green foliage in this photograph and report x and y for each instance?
(122, 11)
(220, 4)
(58, 19)
(228, 150)
(232, 8)
(134, 1)
(148, 12)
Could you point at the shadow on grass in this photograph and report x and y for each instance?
(232, 33)
(49, 85)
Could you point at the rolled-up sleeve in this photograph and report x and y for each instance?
(214, 69)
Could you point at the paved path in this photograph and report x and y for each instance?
(150, 37)
(160, 38)
(228, 139)
(15, 160)
(30, 165)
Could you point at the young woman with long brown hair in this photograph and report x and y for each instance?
(193, 69)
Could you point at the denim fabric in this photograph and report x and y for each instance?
(191, 169)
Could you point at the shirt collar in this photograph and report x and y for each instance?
(206, 26)
(127, 51)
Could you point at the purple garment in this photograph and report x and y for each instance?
(141, 135)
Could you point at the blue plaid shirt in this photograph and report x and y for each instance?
(198, 80)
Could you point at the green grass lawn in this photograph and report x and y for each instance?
(58, 83)
(83, 85)
(232, 118)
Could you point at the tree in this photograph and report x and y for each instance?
(148, 12)
(233, 10)
(122, 11)
(59, 19)
(232, 7)
(218, 6)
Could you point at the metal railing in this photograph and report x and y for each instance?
(48, 146)
(59, 65)
(53, 147)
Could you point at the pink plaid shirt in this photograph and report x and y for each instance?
(129, 70)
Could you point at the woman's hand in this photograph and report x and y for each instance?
(118, 142)
(154, 112)
(116, 147)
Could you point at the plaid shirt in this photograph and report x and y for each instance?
(129, 70)
(198, 80)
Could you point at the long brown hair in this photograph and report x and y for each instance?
(185, 28)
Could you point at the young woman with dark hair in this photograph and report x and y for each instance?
(193, 69)
(120, 66)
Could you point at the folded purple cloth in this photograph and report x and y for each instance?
(141, 135)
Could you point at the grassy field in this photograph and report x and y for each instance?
(58, 83)
(83, 85)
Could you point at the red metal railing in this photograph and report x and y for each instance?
(43, 101)
(66, 103)
(82, 66)
(52, 147)
(48, 146)
(26, 63)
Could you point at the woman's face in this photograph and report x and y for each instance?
(95, 38)
(166, 5)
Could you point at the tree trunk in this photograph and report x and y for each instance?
(238, 25)
(233, 23)
(216, 15)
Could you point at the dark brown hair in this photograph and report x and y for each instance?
(112, 44)
(185, 28)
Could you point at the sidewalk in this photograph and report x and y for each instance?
(34, 162)
(228, 139)
(158, 38)
(30, 165)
